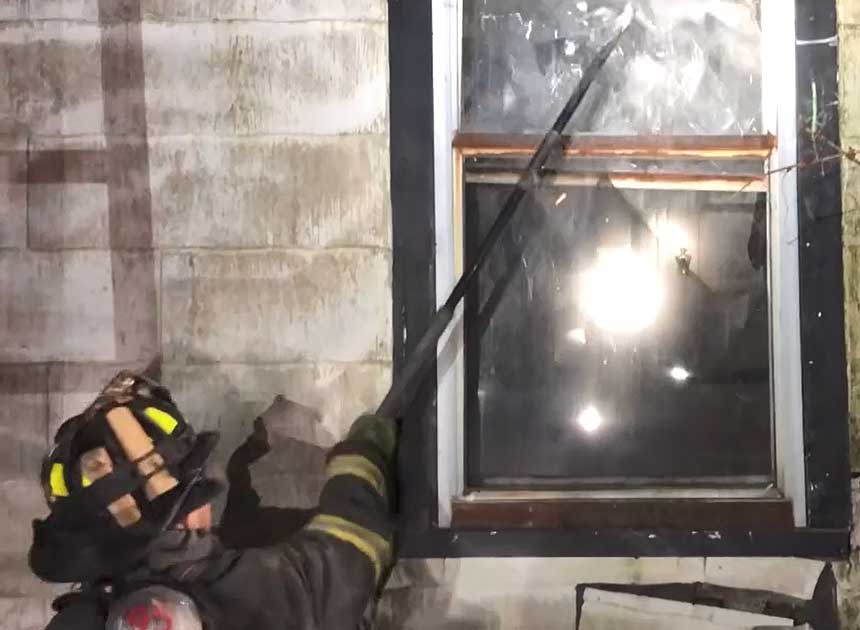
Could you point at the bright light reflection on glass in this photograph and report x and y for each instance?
(589, 419)
(679, 373)
(671, 236)
(621, 293)
(577, 335)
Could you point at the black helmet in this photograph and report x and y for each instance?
(119, 474)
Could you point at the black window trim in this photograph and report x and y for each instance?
(824, 378)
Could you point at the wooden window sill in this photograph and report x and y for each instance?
(687, 514)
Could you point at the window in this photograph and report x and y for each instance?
(636, 354)
(622, 340)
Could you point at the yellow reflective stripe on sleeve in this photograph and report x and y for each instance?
(374, 546)
(360, 467)
(86, 482)
(58, 481)
(162, 419)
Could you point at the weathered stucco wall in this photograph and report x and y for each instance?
(208, 181)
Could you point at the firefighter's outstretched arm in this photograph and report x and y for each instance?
(347, 547)
(325, 575)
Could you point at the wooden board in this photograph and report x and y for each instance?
(655, 147)
(687, 514)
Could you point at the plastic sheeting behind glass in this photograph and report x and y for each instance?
(685, 66)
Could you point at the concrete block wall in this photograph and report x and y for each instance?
(849, 49)
(205, 182)
(539, 593)
(849, 56)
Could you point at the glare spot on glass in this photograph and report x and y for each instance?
(577, 335)
(680, 374)
(560, 199)
(589, 419)
(672, 238)
(647, 71)
(582, 6)
(569, 48)
(508, 98)
(621, 293)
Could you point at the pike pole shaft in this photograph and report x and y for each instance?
(405, 387)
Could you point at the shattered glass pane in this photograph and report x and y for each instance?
(619, 337)
(686, 67)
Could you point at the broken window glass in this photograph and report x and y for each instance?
(686, 67)
(618, 336)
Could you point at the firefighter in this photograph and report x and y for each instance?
(130, 490)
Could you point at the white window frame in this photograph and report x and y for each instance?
(778, 88)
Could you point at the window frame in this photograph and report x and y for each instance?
(468, 500)
(424, 267)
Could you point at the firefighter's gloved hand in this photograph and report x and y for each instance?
(258, 441)
(253, 448)
(377, 431)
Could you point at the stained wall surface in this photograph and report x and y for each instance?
(201, 181)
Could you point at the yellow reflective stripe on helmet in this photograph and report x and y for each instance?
(360, 467)
(58, 481)
(162, 419)
(374, 546)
